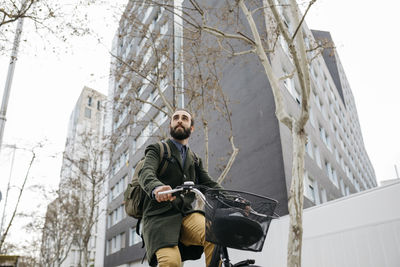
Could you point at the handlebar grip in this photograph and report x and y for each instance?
(185, 188)
(172, 191)
(181, 188)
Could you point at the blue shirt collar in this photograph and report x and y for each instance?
(178, 145)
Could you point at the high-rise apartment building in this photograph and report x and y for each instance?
(134, 121)
(336, 161)
(149, 58)
(81, 176)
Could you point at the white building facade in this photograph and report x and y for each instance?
(82, 165)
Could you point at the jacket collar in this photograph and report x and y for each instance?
(177, 155)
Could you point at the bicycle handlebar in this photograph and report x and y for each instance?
(189, 186)
(185, 188)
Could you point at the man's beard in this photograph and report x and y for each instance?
(181, 134)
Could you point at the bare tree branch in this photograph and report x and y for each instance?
(222, 34)
(303, 17)
(280, 110)
(4, 235)
(235, 151)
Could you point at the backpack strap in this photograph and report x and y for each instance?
(196, 166)
(165, 155)
(196, 158)
(162, 149)
(138, 230)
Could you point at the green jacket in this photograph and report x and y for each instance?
(162, 221)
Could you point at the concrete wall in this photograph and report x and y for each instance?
(361, 230)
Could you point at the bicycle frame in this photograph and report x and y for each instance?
(221, 255)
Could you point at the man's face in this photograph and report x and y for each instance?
(179, 127)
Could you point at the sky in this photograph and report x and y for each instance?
(47, 85)
(366, 36)
(44, 91)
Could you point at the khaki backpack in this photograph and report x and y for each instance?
(134, 194)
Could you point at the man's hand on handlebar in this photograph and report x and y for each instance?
(163, 197)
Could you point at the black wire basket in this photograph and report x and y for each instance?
(238, 219)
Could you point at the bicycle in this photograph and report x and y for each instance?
(234, 219)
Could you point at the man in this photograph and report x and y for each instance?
(172, 230)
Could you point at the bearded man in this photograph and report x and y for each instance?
(172, 230)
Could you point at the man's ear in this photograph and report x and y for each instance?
(192, 128)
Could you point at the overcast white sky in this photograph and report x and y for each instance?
(44, 91)
(367, 39)
(46, 86)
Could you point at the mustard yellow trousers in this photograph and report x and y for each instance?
(193, 232)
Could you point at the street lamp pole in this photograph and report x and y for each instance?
(178, 54)
(10, 74)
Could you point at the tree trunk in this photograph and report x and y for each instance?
(206, 156)
(85, 256)
(296, 199)
(80, 257)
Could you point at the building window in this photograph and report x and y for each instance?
(357, 186)
(116, 216)
(134, 238)
(284, 45)
(144, 108)
(312, 120)
(108, 247)
(144, 135)
(89, 103)
(317, 157)
(342, 188)
(134, 144)
(323, 196)
(331, 172)
(146, 57)
(309, 189)
(341, 161)
(114, 168)
(309, 147)
(147, 14)
(154, 95)
(336, 154)
(159, 119)
(164, 29)
(156, 17)
(141, 44)
(123, 240)
(125, 158)
(347, 191)
(291, 87)
(325, 137)
(334, 178)
(109, 220)
(318, 103)
(117, 189)
(98, 105)
(88, 113)
(141, 90)
(314, 72)
(115, 244)
(328, 170)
